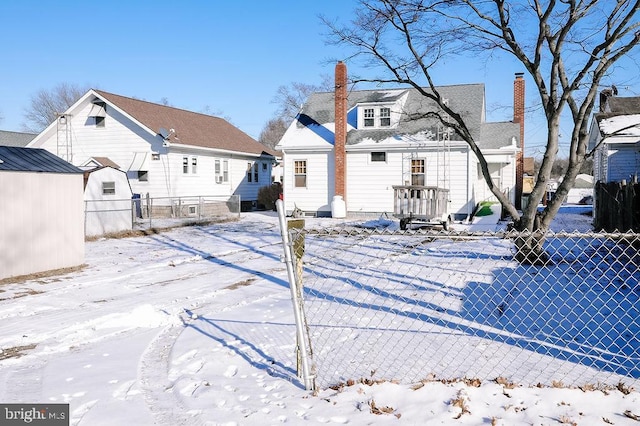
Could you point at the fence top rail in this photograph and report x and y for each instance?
(464, 234)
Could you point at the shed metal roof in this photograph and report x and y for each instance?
(20, 159)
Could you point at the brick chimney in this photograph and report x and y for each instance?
(518, 117)
(340, 159)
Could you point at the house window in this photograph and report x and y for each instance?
(369, 117)
(376, 117)
(385, 117)
(98, 112)
(300, 173)
(194, 165)
(252, 172)
(378, 157)
(217, 171)
(225, 170)
(143, 175)
(185, 165)
(108, 188)
(417, 172)
(155, 156)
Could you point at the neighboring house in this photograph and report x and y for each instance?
(41, 212)
(615, 138)
(108, 201)
(359, 144)
(165, 151)
(582, 190)
(8, 138)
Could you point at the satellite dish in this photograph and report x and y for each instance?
(163, 132)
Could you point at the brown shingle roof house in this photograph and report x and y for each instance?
(165, 151)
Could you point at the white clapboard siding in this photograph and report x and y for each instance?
(623, 163)
(317, 195)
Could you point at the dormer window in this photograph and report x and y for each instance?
(376, 117)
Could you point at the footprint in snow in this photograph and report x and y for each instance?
(232, 370)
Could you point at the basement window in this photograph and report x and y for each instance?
(143, 175)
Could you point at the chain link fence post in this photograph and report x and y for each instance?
(295, 285)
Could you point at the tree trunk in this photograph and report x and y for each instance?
(529, 243)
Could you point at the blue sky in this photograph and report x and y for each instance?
(226, 58)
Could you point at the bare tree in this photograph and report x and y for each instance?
(45, 104)
(291, 98)
(273, 132)
(567, 47)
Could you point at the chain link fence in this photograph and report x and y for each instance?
(110, 216)
(409, 306)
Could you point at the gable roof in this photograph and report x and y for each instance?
(33, 160)
(466, 98)
(8, 138)
(100, 162)
(191, 128)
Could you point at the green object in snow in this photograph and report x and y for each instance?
(485, 209)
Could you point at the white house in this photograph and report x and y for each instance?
(389, 139)
(165, 151)
(615, 138)
(41, 212)
(108, 201)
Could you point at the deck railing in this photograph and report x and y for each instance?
(419, 202)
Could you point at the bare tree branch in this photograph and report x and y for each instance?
(566, 46)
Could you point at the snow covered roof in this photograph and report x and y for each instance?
(620, 125)
(466, 98)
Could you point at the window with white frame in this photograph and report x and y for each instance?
(376, 117)
(300, 173)
(108, 188)
(189, 165)
(225, 170)
(252, 172)
(417, 172)
(385, 117)
(369, 117)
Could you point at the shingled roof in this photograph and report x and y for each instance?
(191, 128)
(8, 138)
(466, 98)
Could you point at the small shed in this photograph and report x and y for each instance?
(107, 199)
(41, 212)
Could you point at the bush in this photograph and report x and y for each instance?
(268, 195)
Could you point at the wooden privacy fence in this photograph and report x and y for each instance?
(617, 206)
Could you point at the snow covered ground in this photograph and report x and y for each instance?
(194, 326)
